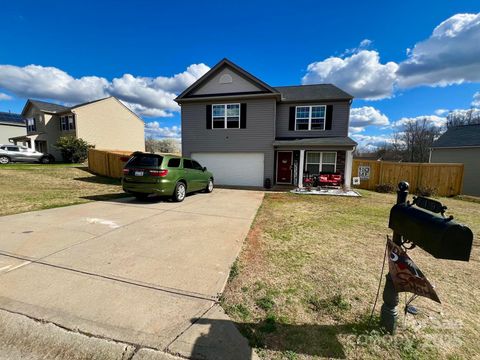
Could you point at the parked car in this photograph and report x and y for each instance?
(164, 175)
(15, 153)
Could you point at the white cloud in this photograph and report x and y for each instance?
(451, 55)
(441, 112)
(4, 96)
(476, 100)
(367, 115)
(145, 95)
(153, 129)
(372, 142)
(361, 74)
(439, 121)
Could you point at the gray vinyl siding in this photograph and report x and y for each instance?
(340, 120)
(470, 157)
(238, 85)
(257, 137)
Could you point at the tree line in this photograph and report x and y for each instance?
(411, 142)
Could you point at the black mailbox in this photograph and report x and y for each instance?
(440, 236)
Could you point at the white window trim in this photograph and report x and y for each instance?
(310, 117)
(225, 116)
(321, 160)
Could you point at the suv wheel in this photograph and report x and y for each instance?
(180, 192)
(4, 159)
(209, 187)
(45, 160)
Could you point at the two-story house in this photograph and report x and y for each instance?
(246, 131)
(105, 123)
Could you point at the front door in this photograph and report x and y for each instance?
(284, 167)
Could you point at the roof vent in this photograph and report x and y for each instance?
(226, 79)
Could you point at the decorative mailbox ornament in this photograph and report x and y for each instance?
(406, 276)
(420, 223)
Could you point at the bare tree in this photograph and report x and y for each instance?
(169, 145)
(463, 117)
(417, 138)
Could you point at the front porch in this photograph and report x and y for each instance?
(319, 162)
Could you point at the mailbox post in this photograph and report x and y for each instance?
(420, 224)
(389, 313)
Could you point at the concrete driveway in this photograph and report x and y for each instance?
(145, 275)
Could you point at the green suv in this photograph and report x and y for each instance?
(165, 175)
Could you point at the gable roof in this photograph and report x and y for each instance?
(459, 136)
(225, 62)
(44, 106)
(313, 92)
(12, 119)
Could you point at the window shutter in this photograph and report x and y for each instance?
(209, 116)
(291, 119)
(328, 123)
(74, 121)
(243, 116)
(60, 121)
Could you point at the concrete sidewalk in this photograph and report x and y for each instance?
(143, 275)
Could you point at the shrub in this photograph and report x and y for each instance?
(74, 150)
(427, 191)
(385, 188)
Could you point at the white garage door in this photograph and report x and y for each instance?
(245, 169)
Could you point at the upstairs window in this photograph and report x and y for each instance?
(226, 116)
(67, 123)
(310, 117)
(31, 125)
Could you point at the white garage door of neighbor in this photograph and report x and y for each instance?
(244, 169)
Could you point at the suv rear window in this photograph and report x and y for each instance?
(173, 163)
(145, 160)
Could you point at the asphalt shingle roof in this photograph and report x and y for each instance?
(460, 136)
(11, 118)
(48, 107)
(312, 93)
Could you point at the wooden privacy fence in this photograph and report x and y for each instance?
(107, 162)
(446, 179)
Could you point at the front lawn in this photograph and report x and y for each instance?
(26, 187)
(305, 282)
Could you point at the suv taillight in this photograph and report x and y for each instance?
(160, 173)
(126, 171)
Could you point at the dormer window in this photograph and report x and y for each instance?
(67, 122)
(310, 117)
(226, 116)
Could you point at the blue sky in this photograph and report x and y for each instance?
(145, 52)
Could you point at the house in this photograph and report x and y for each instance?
(246, 131)
(11, 125)
(461, 144)
(105, 123)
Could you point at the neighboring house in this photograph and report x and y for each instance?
(246, 131)
(461, 144)
(11, 125)
(105, 123)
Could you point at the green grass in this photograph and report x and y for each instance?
(309, 272)
(27, 187)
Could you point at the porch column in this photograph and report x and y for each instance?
(348, 169)
(300, 168)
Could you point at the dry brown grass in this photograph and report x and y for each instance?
(306, 280)
(34, 187)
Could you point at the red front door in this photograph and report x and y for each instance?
(284, 167)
